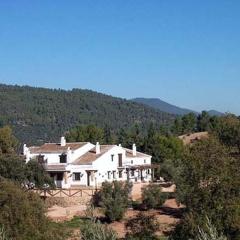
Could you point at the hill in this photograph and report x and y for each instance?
(39, 115)
(162, 106)
(169, 108)
(215, 113)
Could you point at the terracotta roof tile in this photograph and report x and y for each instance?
(56, 147)
(129, 154)
(91, 156)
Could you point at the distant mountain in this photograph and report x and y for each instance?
(215, 113)
(169, 108)
(163, 106)
(40, 115)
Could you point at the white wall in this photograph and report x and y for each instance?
(102, 166)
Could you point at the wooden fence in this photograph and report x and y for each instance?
(65, 192)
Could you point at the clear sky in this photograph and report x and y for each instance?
(185, 52)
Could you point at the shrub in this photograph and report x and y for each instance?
(142, 227)
(36, 173)
(14, 168)
(3, 234)
(23, 214)
(114, 199)
(153, 197)
(210, 233)
(96, 231)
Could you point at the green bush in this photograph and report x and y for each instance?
(35, 173)
(23, 215)
(153, 197)
(3, 234)
(142, 227)
(114, 199)
(209, 233)
(96, 231)
(14, 168)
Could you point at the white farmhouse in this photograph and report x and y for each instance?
(80, 164)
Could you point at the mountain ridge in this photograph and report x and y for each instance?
(170, 108)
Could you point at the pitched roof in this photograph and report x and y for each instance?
(56, 147)
(89, 157)
(129, 154)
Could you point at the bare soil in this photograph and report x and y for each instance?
(167, 216)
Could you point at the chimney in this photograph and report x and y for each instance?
(26, 152)
(63, 142)
(134, 149)
(98, 148)
(120, 145)
(25, 149)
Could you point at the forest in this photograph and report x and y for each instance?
(40, 115)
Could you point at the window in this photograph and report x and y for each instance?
(112, 157)
(148, 171)
(144, 160)
(114, 174)
(132, 173)
(120, 160)
(76, 176)
(109, 175)
(131, 161)
(63, 158)
(120, 174)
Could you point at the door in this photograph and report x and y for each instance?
(119, 160)
(59, 180)
(88, 178)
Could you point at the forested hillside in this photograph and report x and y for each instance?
(39, 114)
(163, 106)
(158, 104)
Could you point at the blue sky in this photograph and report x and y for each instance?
(184, 52)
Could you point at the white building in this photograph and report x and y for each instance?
(85, 164)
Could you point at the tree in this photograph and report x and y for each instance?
(177, 128)
(153, 197)
(203, 122)
(228, 131)
(142, 227)
(189, 123)
(114, 199)
(208, 184)
(14, 168)
(89, 133)
(35, 173)
(23, 214)
(166, 152)
(108, 137)
(8, 142)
